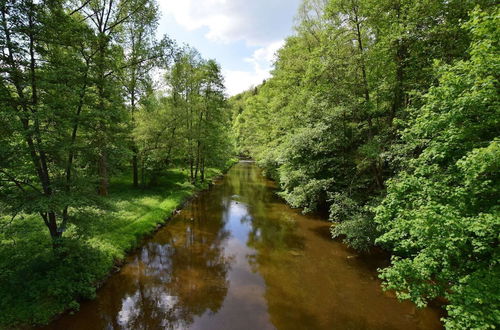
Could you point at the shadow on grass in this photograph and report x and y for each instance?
(41, 284)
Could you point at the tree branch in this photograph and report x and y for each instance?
(79, 8)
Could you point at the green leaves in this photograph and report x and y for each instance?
(387, 113)
(442, 217)
(189, 124)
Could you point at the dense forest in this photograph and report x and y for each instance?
(386, 114)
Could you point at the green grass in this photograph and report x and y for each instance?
(35, 286)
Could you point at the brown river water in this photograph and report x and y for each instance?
(237, 257)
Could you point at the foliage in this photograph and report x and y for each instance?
(63, 112)
(386, 114)
(189, 125)
(359, 231)
(441, 216)
(76, 90)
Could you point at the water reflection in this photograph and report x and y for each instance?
(238, 258)
(179, 275)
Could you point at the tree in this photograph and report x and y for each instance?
(211, 120)
(156, 134)
(440, 216)
(143, 53)
(189, 124)
(108, 19)
(42, 46)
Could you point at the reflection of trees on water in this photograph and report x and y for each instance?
(273, 234)
(179, 275)
(272, 225)
(246, 182)
(182, 272)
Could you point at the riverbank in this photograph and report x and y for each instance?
(35, 286)
(238, 257)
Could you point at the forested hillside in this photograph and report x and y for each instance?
(104, 130)
(386, 113)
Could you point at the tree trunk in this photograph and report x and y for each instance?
(135, 169)
(399, 58)
(191, 169)
(143, 173)
(202, 169)
(102, 167)
(197, 160)
(55, 234)
(103, 175)
(398, 88)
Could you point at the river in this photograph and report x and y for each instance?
(237, 257)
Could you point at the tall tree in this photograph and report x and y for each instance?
(42, 45)
(143, 54)
(108, 19)
(188, 125)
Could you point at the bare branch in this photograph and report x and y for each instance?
(79, 8)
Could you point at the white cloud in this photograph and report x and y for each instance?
(261, 60)
(265, 55)
(239, 81)
(258, 23)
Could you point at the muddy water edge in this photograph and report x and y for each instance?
(237, 257)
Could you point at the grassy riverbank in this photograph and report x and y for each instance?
(35, 286)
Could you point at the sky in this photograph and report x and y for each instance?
(241, 35)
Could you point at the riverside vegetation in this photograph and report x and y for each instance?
(93, 154)
(384, 113)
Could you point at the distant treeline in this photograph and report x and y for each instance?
(386, 113)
